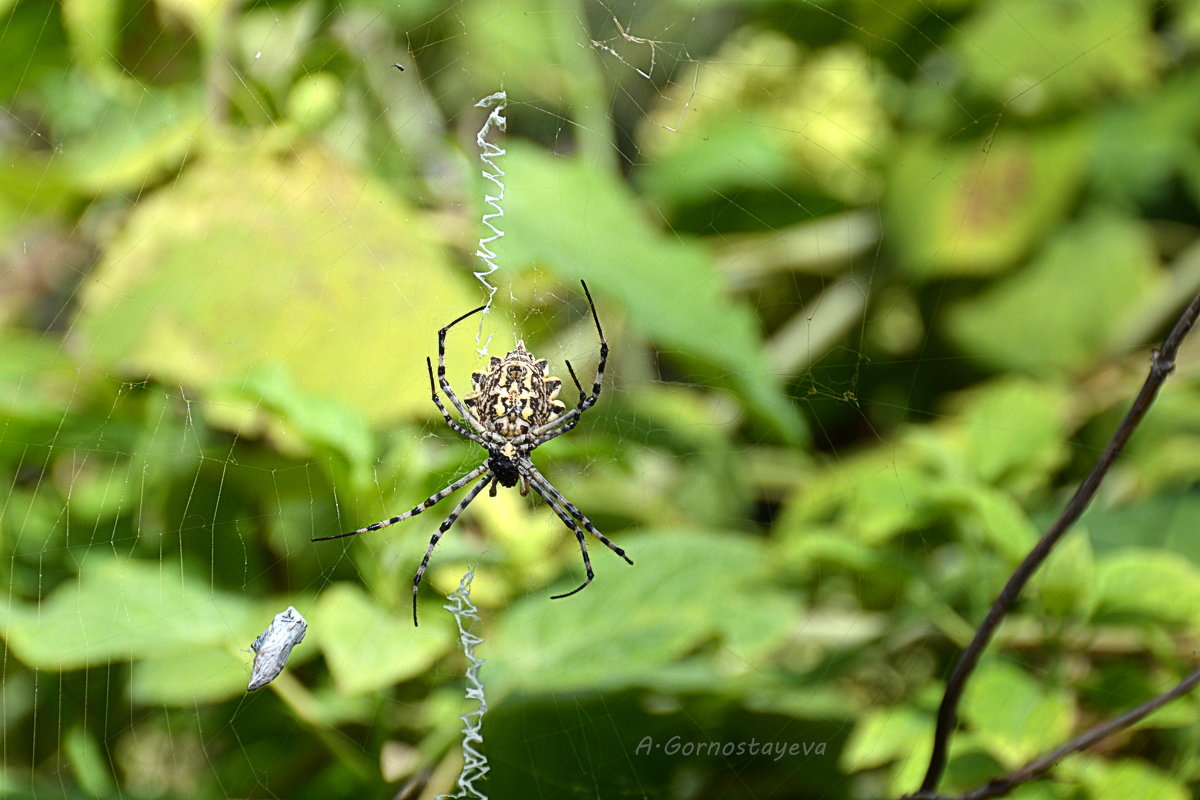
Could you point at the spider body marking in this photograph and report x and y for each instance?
(513, 409)
(515, 394)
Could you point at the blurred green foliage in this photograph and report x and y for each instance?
(879, 283)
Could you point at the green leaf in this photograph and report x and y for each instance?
(314, 99)
(1161, 585)
(811, 547)
(1066, 584)
(762, 112)
(1014, 429)
(295, 421)
(93, 27)
(1143, 144)
(991, 516)
(1165, 521)
(207, 17)
(32, 521)
(1092, 275)
(584, 223)
(1034, 54)
(974, 208)
(369, 647)
(753, 626)
(272, 40)
(122, 610)
(205, 675)
(39, 383)
(515, 38)
(251, 261)
(133, 140)
(632, 621)
(34, 187)
(883, 735)
(1124, 778)
(721, 153)
(877, 494)
(1014, 716)
(88, 763)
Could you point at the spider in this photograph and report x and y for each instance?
(514, 409)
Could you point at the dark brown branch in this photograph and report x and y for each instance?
(1035, 769)
(1162, 363)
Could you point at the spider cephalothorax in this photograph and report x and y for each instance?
(514, 409)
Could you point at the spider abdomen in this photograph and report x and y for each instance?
(515, 394)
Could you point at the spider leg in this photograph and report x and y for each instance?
(557, 427)
(459, 429)
(537, 479)
(445, 526)
(544, 433)
(575, 378)
(547, 491)
(574, 526)
(432, 500)
(441, 370)
(591, 401)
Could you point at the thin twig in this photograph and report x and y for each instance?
(1035, 769)
(1162, 363)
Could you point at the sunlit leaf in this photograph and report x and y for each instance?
(1159, 584)
(134, 140)
(1015, 716)
(34, 186)
(1032, 54)
(632, 620)
(369, 647)
(1014, 429)
(204, 16)
(186, 680)
(93, 27)
(252, 260)
(88, 763)
(122, 610)
(875, 495)
(1126, 777)
(763, 112)
(272, 40)
(887, 734)
(975, 207)
(1066, 583)
(1087, 281)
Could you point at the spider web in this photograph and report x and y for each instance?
(232, 231)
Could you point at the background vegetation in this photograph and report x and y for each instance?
(879, 281)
